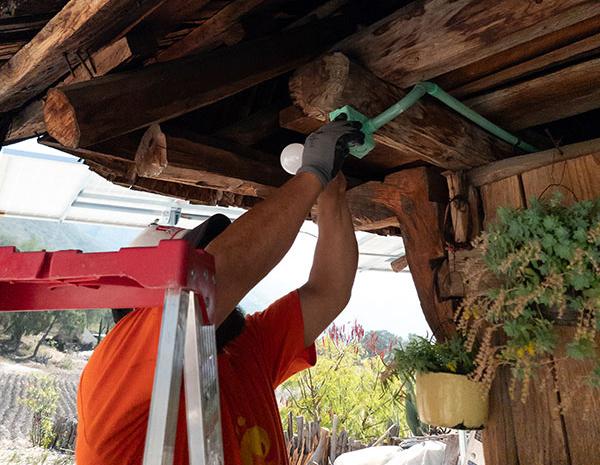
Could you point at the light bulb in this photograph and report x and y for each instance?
(291, 158)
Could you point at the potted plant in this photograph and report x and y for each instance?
(548, 260)
(445, 395)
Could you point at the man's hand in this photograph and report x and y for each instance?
(329, 286)
(327, 147)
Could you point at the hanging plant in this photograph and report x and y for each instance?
(445, 396)
(548, 260)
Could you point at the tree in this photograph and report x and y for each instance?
(345, 382)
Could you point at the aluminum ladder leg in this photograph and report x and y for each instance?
(188, 347)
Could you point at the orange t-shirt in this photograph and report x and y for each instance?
(116, 386)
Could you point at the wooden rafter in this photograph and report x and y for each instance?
(84, 114)
(81, 25)
(428, 38)
(427, 131)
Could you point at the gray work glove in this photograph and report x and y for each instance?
(326, 148)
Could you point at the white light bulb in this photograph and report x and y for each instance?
(291, 158)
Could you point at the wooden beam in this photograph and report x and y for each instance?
(29, 121)
(254, 128)
(428, 38)
(503, 169)
(17, 8)
(569, 53)
(210, 33)
(80, 25)
(83, 114)
(399, 264)
(427, 130)
(417, 197)
(199, 161)
(563, 93)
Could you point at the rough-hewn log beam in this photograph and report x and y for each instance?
(199, 161)
(417, 197)
(427, 130)
(563, 93)
(80, 25)
(83, 114)
(428, 38)
(503, 169)
(29, 121)
(210, 33)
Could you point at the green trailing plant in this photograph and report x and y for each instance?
(548, 260)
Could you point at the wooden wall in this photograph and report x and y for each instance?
(539, 431)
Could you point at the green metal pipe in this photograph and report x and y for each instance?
(370, 125)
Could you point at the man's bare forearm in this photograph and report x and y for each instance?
(248, 249)
(329, 286)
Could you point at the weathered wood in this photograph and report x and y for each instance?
(499, 440)
(151, 155)
(465, 273)
(368, 213)
(198, 161)
(29, 121)
(427, 130)
(504, 193)
(80, 25)
(417, 197)
(567, 54)
(516, 165)
(543, 99)
(16, 8)
(427, 38)
(399, 264)
(579, 401)
(576, 179)
(254, 128)
(210, 33)
(322, 11)
(459, 205)
(83, 114)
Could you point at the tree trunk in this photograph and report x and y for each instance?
(44, 336)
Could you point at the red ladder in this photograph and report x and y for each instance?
(172, 274)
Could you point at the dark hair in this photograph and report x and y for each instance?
(227, 331)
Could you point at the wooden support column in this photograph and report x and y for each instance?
(427, 131)
(417, 197)
(84, 114)
(81, 25)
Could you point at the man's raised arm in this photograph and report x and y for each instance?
(248, 249)
(329, 286)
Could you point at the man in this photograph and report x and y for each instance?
(256, 353)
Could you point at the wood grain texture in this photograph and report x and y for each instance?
(576, 179)
(196, 81)
(29, 121)
(543, 99)
(508, 167)
(499, 440)
(564, 55)
(427, 130)
(80, 25)
(581, 405)
(210, 33)
(503, 193)
(416, 196)
(406, 47)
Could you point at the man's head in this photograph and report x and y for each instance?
(199, 237)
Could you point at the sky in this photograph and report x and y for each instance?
(381, 300)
